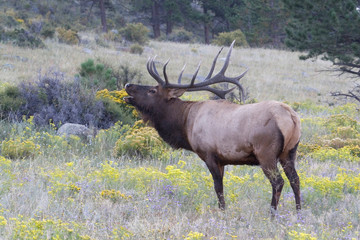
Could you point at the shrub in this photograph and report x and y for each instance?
(112, 36)
(346, 153)
(127, 74)
(136, 49)
(347, 132)
(113, 195)
(10, 101)
(181, 35)
(226, 38)
(47, 31)
(115, 106)
(135, 32)
(100, 75)
(97, 76)
(68, 36)
(140, 140)
(341, 120)
(22, 38)
(53, 99)
(19, 148)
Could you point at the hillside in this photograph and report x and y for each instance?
(273, 74)
(125, 183)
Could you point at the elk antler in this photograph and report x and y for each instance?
(202, 86)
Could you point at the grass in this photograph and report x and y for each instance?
(71, 189)
(273, 74)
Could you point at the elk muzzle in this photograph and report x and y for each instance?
(129, 88)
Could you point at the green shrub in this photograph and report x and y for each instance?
(181, 35)
(127, 74)
(47, 31)
(100, 75)
(135, 32)
(68, 36)
(226, 38)
(97, 76)
(136, 49)
(10, 101)
(22, 38)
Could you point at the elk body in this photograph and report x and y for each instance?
(222, 133)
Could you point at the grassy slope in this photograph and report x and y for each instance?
(273, 74)
(61, 190)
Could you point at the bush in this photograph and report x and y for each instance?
(47, 31)
(115, 106)
(22, 38)
(127, 74)
(181, 35)
(112, 36)
(19, 148)
(100, 75)
(226, 38)
(135, 32)
(136, 49)
(341, 120)
(97, 76)
(59, 101)
(140, 141)
(68, 36)
(10, 101)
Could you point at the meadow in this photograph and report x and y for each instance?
(52, 187)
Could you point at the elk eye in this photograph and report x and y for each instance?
(152, 91)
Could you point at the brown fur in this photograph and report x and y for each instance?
(223, 133)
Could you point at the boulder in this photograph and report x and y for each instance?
(79, 130)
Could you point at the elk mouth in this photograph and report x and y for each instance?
(128, 99)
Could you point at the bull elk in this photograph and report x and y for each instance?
(220, 132)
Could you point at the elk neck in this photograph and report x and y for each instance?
(170, 120)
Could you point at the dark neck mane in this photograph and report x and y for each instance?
(170, 121)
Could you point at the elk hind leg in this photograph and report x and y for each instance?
(288, 165)
(277, 183)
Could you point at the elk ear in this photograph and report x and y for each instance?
(175, 93)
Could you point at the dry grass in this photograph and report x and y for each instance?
(58, 192)
(273, 74)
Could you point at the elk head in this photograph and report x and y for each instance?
(146, 97)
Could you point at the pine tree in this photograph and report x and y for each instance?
(326, 28)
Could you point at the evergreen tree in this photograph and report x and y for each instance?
(263, 22)
(326, 28)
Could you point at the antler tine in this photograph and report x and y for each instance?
(195, 74)
(153, 72)
(164, 72)
(213, 64)
(181, 73)
(226, 64)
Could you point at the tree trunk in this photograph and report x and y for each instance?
(103, 15)
(206, 27)
(169, 23)
(156, 19)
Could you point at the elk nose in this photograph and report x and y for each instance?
(128, 85)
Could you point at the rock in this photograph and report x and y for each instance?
(79, 130)
(87, 50)
(8, 66)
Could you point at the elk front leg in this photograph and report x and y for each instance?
(217, 172)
